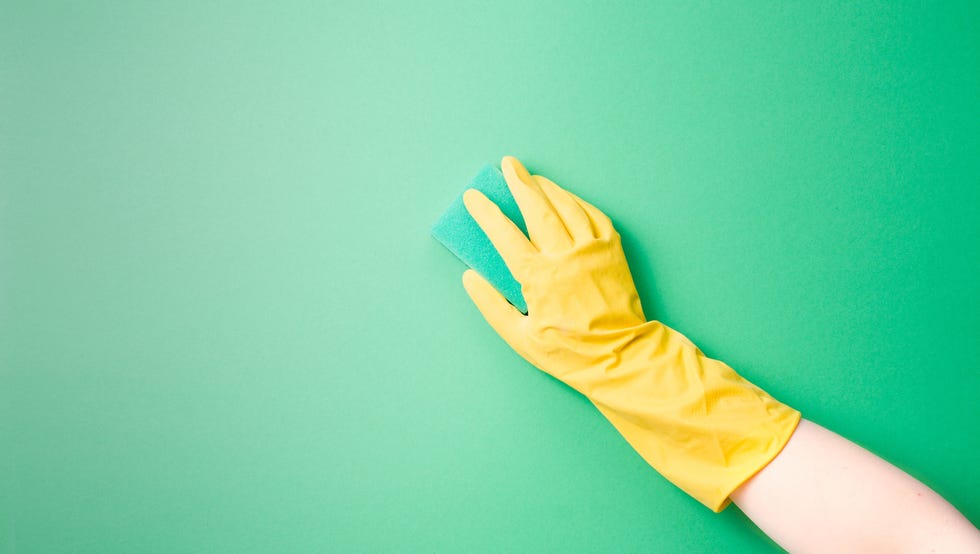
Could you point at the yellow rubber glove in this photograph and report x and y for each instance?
(692, 418)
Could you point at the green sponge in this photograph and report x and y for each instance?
(458, 232)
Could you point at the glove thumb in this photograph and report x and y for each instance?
(500, 314)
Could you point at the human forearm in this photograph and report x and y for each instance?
(823, 493)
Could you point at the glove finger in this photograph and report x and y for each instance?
(572, 215)
(499, 313)
(505, 236)
(544, 226)
(602, 226)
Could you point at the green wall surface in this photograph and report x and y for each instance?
(224, 326)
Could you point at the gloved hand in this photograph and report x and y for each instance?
(692, 418)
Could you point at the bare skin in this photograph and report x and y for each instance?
(823, 493)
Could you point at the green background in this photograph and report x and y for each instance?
(225, 327)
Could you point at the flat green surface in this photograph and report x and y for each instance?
(225, 327)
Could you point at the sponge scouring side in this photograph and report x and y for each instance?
(458, 232)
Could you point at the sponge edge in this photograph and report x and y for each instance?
(458, 232)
